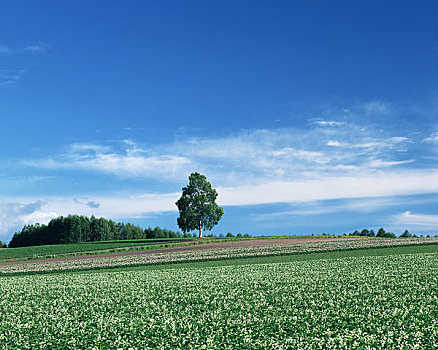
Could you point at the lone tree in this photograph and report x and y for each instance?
(197, 207)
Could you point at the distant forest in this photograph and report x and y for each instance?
(75, 229)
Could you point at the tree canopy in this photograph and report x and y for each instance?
(75, 229)
(197, 206)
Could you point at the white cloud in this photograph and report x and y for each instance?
(300, 154)
(364, 186)
(286, 154)
(377, 188)
(15, 214)
(334, 143)
(433, 138)
(371, 143)
(327, 160)
(358, 205)
(116, 207)
(378, 163)
(131, 162)
(399, 139)
(258, 156)
(417, 221)
(87, 147)
(249, 167)
(122, 165)
(328, 123)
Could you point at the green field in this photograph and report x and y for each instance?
(245, 252)
(91, 248)
(56, 250)
(374, 298)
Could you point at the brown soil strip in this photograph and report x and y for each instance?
(232, 244)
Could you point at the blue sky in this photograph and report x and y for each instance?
(306, 116)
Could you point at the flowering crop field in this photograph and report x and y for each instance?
(360, 302)
(209, 254)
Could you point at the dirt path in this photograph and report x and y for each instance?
(232, 244)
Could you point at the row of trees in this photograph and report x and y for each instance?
(370, 233)
(382, 233)
(75, 229)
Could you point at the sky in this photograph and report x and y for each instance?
(306, 116)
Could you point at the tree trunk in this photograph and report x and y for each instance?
(200, 229)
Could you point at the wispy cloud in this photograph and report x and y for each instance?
(328, 123)
(386, 164)
(285, 154)
(258, 156)
(368, 142)
(413, 221)
(35, 48)
(329, 160)
(77, 148)
(131, 162)
(433, 138)
(360, 194)
(8, 77)
(377, 107)
(364, 186)
(16, 61)
(347, 206)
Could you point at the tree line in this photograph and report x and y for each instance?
(382, 233)
(75, 229)
(370, 233)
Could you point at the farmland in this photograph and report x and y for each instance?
(199, 253)
(105, 247)
(84, 248)
(352, 302)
